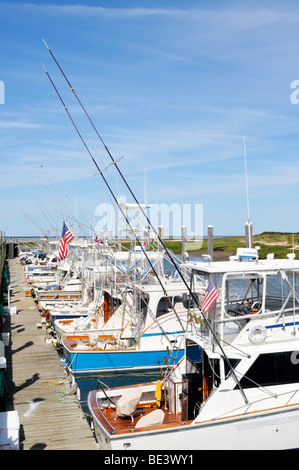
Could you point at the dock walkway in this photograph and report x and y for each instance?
(35, 378)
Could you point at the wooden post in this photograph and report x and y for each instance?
(119, 239)
(184, 244)
(210, 242)
(161, 232)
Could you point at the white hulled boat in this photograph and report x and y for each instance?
(140, 332)
(237, 386)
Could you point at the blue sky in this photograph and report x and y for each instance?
(172, 87)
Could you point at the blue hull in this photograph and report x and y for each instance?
(94, 362)
(126, 360)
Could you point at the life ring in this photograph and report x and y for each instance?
(257, 334)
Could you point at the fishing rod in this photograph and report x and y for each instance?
(108, 186)
(114, 162)
(63, 208)
(56, 189)
(41, 231)
(61, 202)
(45, 213)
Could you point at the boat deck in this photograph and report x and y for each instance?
(114, 425)
(49, 419)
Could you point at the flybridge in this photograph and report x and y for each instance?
(246, 260)
(251, 289)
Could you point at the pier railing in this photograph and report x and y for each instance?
(3, 387)
(2, 267)
(2, 252)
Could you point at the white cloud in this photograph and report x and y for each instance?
(172, 90)
(19, 125)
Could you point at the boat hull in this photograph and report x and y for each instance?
(108, 361)
(271, 431)
(64, 316)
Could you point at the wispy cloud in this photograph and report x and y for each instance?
(92, 11)
(173, 89)
(19, 125)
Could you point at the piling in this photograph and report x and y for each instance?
(119, 239)
(210, 241)
(184, 244)
(161, 232)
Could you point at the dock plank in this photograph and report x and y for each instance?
(36, 381)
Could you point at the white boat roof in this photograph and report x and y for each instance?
(238, 266)
(138, 254)
(176, 287)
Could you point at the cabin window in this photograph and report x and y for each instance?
(164, 306)
(243, 294)
(141, 307)
(273, 369)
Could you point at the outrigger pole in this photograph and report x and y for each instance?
(108, 186)
(137, 202)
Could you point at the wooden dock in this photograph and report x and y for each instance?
(49, 419)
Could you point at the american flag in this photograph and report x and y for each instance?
(66, 238)
(210, 297)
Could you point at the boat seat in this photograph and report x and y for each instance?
(128, 402)
(154, 418)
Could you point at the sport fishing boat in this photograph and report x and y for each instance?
(140, 329)
(111, 275)
(237, 386)
(126, 346)
(75, 297)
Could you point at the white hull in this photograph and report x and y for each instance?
(242, 394)
(272, 431)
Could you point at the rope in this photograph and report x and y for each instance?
(61, 399)
(51, 384)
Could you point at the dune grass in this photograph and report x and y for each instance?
(278, 243)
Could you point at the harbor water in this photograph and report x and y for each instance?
(86, 383)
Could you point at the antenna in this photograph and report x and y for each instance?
(246, 177)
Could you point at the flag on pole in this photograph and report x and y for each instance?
(66, 237)
(210, 297)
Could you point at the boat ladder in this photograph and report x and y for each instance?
(172, 360)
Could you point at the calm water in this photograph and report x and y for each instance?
(90, 382)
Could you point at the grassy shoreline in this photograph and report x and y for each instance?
(269, 242)
(279, 243)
